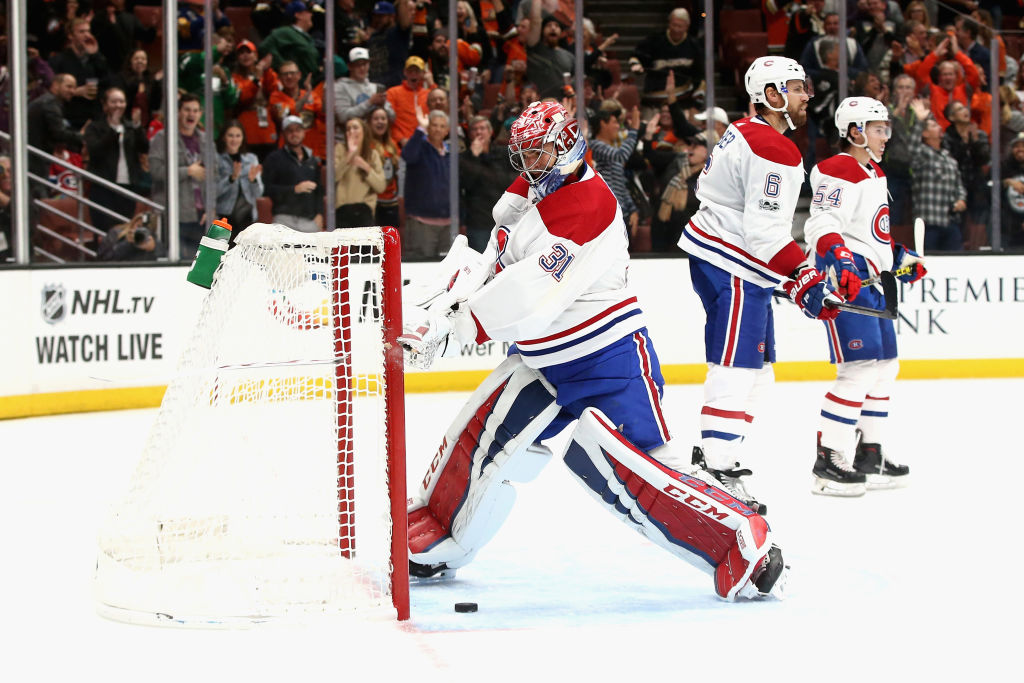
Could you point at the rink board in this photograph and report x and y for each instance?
(100, 338)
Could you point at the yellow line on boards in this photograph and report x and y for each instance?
(55, 403)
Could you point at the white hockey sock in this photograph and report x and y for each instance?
(874, 413)
(842, 406)
(724, 420)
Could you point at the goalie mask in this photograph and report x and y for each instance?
(545, 145)
(859, 111)
(776, 72)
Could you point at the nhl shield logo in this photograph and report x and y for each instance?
(54, 305)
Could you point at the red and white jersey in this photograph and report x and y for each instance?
(748, 192)
(852, 199)
(558, 288)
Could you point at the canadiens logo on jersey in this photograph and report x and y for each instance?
(501, 237)
(880, 225)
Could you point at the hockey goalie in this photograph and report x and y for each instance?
(553, 281)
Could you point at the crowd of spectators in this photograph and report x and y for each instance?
(96, 100)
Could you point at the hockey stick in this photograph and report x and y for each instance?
(867, 282)
(889, 291)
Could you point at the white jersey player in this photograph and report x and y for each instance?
(553, 281)
(741, 246)
(849, 232)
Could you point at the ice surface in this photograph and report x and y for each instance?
(915, 582)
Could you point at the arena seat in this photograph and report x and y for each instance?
(264, 210)
(742, 49)
(148, 16)
(628, 96)
(241, 21)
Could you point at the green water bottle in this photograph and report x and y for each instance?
(211, 251)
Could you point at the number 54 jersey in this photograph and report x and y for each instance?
(559, 284)
(748, 192)
(852, 200)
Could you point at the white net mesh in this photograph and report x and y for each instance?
(263, 487)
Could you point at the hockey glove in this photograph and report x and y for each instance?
(839, 265)
(424, 336)
(810, 290)
(908, 258)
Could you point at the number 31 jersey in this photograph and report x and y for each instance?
(559, 283)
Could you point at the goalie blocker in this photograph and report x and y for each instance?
(467, 492)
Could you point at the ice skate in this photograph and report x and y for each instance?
(733, 481)
(769, 579)
(833, 475)
(430, 572)
(879, 472)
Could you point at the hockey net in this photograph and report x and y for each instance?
(273, 478)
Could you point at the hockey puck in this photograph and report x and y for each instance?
(465, 607)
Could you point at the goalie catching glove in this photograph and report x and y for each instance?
(908, 258)
(426, 335)
(435, 319)
(810, 290)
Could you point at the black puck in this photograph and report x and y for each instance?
(465, 607)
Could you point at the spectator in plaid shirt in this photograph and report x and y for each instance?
(936, 185)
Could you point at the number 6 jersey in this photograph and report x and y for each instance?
(748, 192)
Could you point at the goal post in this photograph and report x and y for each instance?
(272, 484)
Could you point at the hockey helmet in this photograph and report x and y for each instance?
(775, 71)
(858, 111)
(542, 165)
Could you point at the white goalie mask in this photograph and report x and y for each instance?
(859, 111)
(776, 72)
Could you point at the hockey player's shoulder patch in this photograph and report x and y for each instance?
(768, 143)
(579, 211)
(843, 167)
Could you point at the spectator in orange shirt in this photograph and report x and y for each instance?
(306, 103)
(282, 102)
(405, 98)
(256, 82)
(950, 85)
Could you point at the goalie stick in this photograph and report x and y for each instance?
(889, 291)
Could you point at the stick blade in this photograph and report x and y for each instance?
(891, 293)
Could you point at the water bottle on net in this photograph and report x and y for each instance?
(211, 250)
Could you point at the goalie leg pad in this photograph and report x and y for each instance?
(681, 512)
(466, 495)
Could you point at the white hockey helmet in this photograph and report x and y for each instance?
(858, 111)
(774, 71)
